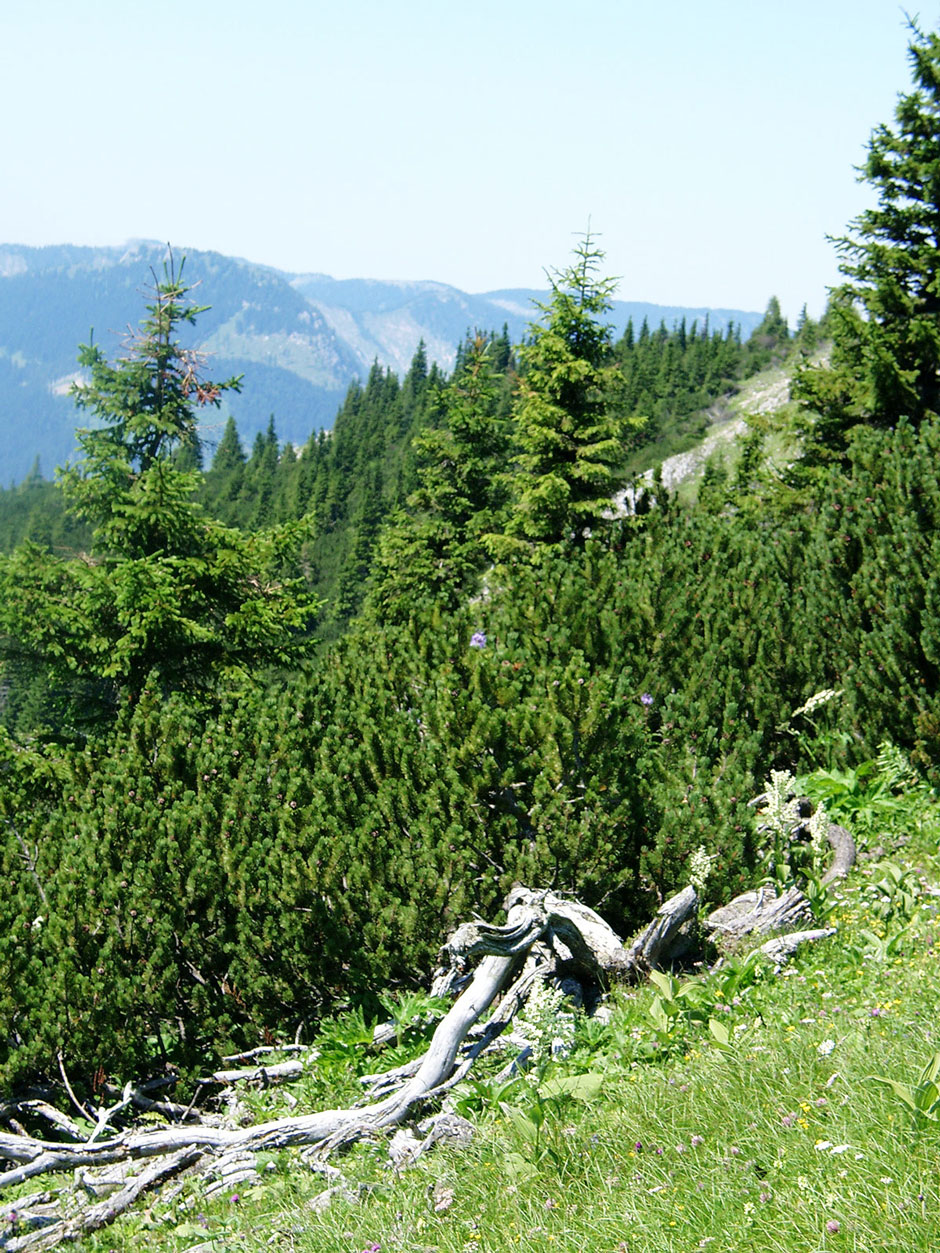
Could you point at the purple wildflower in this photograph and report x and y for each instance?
(832, 1226)
(646, 699)
(478, 640)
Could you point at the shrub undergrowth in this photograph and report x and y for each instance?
(730, 1109)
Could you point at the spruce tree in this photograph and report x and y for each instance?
(435, 547)
(569, 434)
(168, 594)
(885, 318)
(230, 455)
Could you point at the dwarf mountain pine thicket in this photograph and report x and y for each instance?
(271, 728)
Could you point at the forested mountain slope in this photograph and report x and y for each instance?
(216, 828)
(269, 731)
(254, 842)
(299, 340)
(350, 482)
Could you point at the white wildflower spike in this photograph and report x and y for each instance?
(816, 700)
(818, 827)
(545, 1025)
(780, 814)
(700, 866)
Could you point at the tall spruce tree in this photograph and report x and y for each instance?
(168, 595)
(568, 431)
(230, 455)
(885, 318)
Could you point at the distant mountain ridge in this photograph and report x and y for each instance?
(299, 339)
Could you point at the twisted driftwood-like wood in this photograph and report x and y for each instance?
(759, 912)
(843, 848)
(764, 912)
(545, 936)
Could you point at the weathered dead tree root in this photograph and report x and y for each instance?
(844, 852)
(765, 912)
(545, 937)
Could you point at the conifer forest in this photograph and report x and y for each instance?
(276, 719)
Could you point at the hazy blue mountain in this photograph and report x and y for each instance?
(51, 298)
(299, 339)
(518, 302)
(384, 319)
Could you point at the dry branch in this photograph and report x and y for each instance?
(782, 947)
(759, 912)
(545, 937)
(843, 847)
(290, 1069)
(97, 1216)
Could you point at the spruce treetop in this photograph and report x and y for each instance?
(145, 404)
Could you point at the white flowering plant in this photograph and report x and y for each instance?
(700, 866)
(546, 1024)
(813, 725)
(797, 846)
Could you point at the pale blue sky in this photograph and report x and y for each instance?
(711, 144)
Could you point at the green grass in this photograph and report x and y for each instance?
(775, 1140)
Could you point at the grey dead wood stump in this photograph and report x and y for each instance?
(546, 937)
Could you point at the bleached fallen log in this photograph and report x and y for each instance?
(52, 1115)
(654, 944)
(843, 847)
(264, 1074)
(759, 912)
(574, 939)
(105, 1212)
(782, 947)
(328, 1127)
(764, 911)
(581, 944)
(265, 1050)
(170, 1110)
